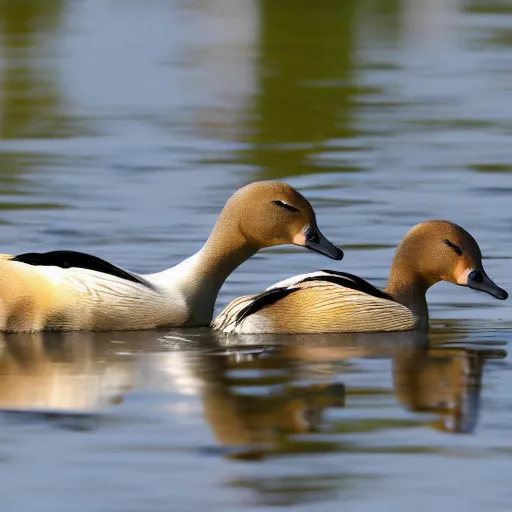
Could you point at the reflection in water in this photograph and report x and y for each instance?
(74, 372)
(223, 51)
(257, 397)
(30, 100)
(446, 382)
(273, 396)
(306, 85)
(259, 400)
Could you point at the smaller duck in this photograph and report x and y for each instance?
(329, 301)
(68, 290)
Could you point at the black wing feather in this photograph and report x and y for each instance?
(74, 259)
(349, 281)
(340, 278)
(262, 300)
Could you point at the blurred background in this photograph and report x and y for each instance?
(124, 127)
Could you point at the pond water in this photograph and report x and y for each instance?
(124, 126)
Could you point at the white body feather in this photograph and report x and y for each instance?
(84, 299)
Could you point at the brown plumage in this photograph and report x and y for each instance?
(328, 301)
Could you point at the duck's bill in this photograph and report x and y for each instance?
(317, 242)
(479, 280)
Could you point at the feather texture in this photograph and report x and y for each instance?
(74, 259)
(34, 297)
(77, 291)
(320, 302)
(328, 301)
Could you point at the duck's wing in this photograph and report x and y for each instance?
(324, 301)
(70, 290)
(242, 307)
(75, 259)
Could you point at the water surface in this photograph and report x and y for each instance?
(124, 126)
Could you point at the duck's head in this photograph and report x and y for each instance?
(442, 250)
(270, 213)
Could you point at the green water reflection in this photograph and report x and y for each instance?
(32, 104)
(306, 84)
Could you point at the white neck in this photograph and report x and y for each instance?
(198, 279)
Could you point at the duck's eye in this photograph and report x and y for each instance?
(456, 248)
(476, 276)
(289, 207)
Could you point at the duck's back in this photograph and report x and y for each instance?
(321, 302)
(49, 297)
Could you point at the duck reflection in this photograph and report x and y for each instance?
(446, 382)
(266, 396)
(72, 372)
(87, 371)
(261, 399)
(252, 403)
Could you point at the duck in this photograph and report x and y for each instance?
(74, 291)
(329, 301)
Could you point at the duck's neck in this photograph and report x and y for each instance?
(220, 256)
(200, 277)
(409, 288)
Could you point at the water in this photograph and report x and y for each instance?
(124, 126)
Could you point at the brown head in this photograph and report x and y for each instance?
(269, 213)
(439, 250)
